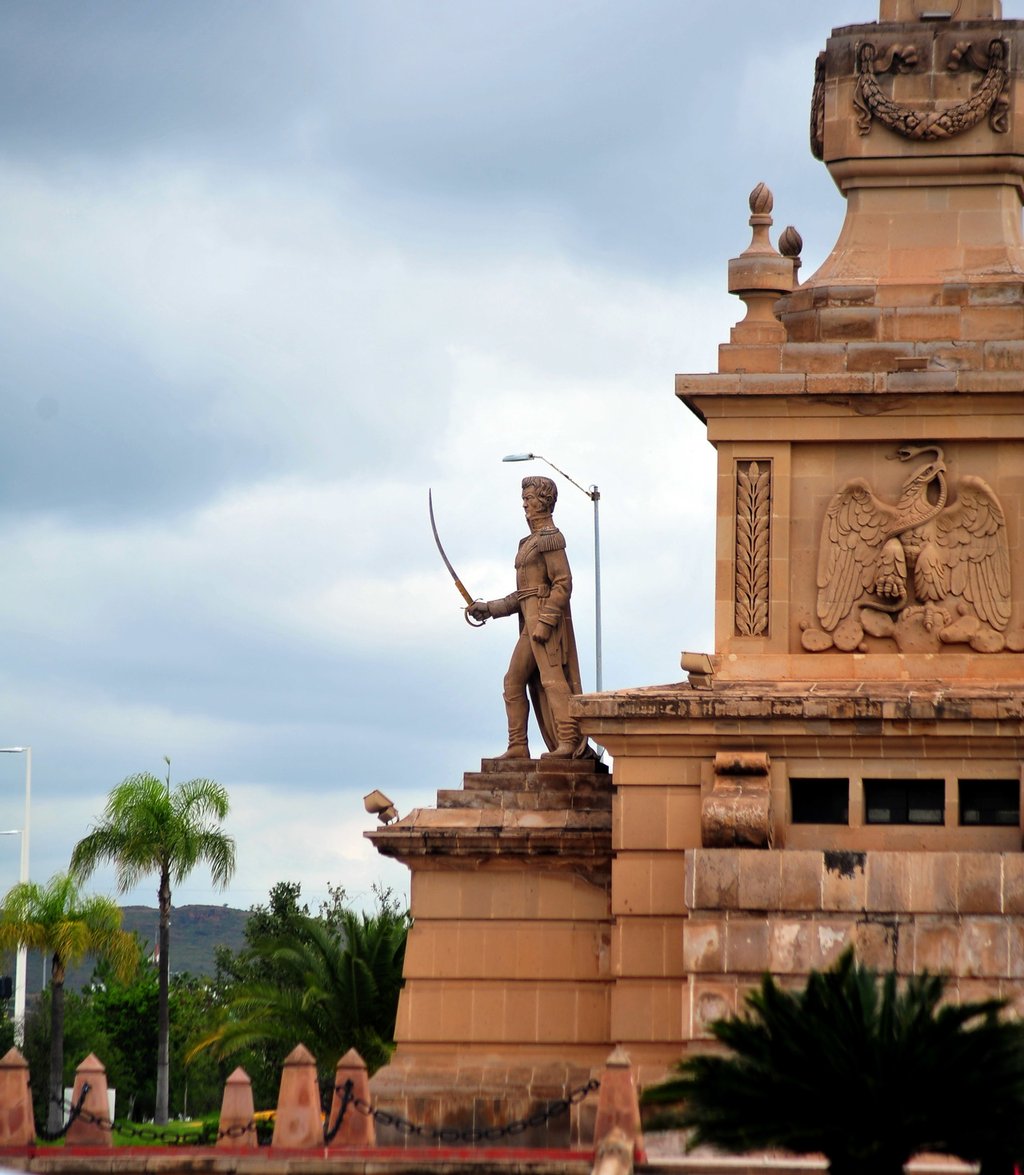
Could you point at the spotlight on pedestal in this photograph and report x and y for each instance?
(378, 804)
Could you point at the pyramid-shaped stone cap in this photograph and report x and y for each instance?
(300, 1055)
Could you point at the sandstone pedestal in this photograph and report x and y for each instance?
(507, 972)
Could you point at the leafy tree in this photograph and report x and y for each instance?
(861, 1070)
(195, 1007)
(331, 982)
(148, 828)
(278, 918)
(59, 920)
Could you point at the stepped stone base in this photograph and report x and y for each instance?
(512, 808)
(506, 1001)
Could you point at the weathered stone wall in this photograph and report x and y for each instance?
(788, 912)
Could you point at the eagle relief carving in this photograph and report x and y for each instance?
(931, 569)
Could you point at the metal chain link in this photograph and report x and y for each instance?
(347, 1097)
(451, 1134)
(73, 1113)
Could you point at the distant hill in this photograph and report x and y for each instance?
(195, 932)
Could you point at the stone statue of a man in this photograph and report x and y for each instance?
(544, 662)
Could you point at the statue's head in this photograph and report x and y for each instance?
(545, 490)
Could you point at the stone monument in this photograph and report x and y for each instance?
(844, 767)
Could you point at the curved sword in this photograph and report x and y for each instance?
(451, 570)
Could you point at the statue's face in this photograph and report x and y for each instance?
(533, 506)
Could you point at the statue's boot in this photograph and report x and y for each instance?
(567, 731)
(515, 751)
(518, 711)
(564, 750)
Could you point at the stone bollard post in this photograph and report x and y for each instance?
(618, 1103)
(356, 1129)
(92, 1127)
(298, 1122)
(237, 1122)
(17, 1121)
(614, 1154)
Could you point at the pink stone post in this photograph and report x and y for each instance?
(93, 1127)
(298, 1122)
(237, 1113)
(17, 1123)
(617, 1103)
(357, 1129)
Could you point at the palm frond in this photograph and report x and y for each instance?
(860, 1068)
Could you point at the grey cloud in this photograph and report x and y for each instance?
(583, 120)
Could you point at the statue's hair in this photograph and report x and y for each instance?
(546, 489)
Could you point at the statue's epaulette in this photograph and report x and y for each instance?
(550, 539)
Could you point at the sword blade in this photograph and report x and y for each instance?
(440, 550)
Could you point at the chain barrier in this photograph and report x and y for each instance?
(144, 1133)
(347, 1097)
(73, 1113)
(452, 1135)
(445, 1134)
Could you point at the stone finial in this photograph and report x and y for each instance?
(356, 1129)
(761, 202)
(17, 1122)
(790, 245)
(237, 1128)
(760, 276)
(617, 1103)
(93, 1127)
(790, 242)
(297, 1123)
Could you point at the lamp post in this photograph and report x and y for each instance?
(21, 960)
(594, 495)
(14, 832)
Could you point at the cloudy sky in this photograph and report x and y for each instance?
(270, 271)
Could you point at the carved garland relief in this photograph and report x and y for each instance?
(753, 532)
(818, 109)
(931, 569)
(989, 99)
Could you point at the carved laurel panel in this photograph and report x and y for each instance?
(753, 534)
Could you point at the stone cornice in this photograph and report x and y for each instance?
(573, 839)
(833, 701)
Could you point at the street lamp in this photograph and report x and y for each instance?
(594, 495)
(18, 958)
(21, 960)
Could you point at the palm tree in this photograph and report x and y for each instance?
(57, 919)
(148, 828)
(860, 1069)
(330, 988)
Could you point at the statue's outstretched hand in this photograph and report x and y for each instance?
(479, 610)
